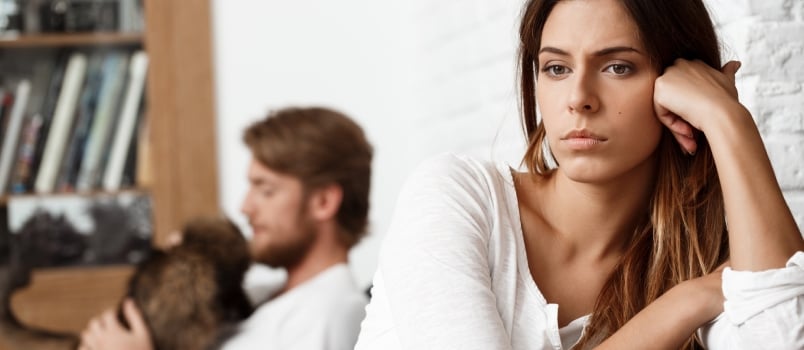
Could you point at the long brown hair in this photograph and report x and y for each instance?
(319, 146)
(684, 235)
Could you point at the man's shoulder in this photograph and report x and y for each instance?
(333, 288)
(336, 287)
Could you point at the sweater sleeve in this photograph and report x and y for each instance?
(763, 310)
(434, 263)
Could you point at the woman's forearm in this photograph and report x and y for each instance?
(762, 231)
(671, 319)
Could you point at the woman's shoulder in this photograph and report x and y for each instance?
(460, 170)
(478, 188)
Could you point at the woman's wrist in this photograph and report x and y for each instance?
(727, 120)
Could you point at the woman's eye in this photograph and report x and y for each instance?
(555, 70)
(618, 69)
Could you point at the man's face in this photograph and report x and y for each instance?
(276, 207)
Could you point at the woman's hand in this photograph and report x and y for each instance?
(105, 333)
(689, 93)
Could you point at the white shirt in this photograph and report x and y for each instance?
(453, 274)
(323, 313)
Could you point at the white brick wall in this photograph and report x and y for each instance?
(768, 37)
(465, 56)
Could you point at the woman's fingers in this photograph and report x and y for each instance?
(687, 92)
(682, 131)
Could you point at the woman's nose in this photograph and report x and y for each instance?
(583, 97)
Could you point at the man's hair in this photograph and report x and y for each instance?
(320, 147)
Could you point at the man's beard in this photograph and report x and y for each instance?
(288, 253)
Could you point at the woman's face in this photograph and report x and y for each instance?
(595, 92)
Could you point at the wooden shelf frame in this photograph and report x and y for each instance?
(53, 40)
(181, 108)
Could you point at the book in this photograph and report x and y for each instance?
(25, 155)
(130, 16)
(28, 164)
(6, 101)
(41, 75)
(115, 66)
(12, 133)
(5, 237)
(113, 173)
(129, 178)
(83, 120)
(62, 123)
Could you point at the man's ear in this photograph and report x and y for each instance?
(324, 202)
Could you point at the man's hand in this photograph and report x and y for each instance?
(104, 332)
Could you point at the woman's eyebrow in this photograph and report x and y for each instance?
(615, 49)
(554, 50)
(602, 52)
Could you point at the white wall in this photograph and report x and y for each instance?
(425, 76)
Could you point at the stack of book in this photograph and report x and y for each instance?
(73, 124)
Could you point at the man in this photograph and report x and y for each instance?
(308, 205)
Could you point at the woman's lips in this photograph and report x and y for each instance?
(582, 139)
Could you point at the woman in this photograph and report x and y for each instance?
(622, 243)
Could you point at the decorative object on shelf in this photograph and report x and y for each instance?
(76, 230)
(11, 17)
(73, 16)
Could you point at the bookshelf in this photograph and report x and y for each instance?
(181, 138)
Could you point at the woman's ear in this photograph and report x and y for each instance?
(324, 202)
